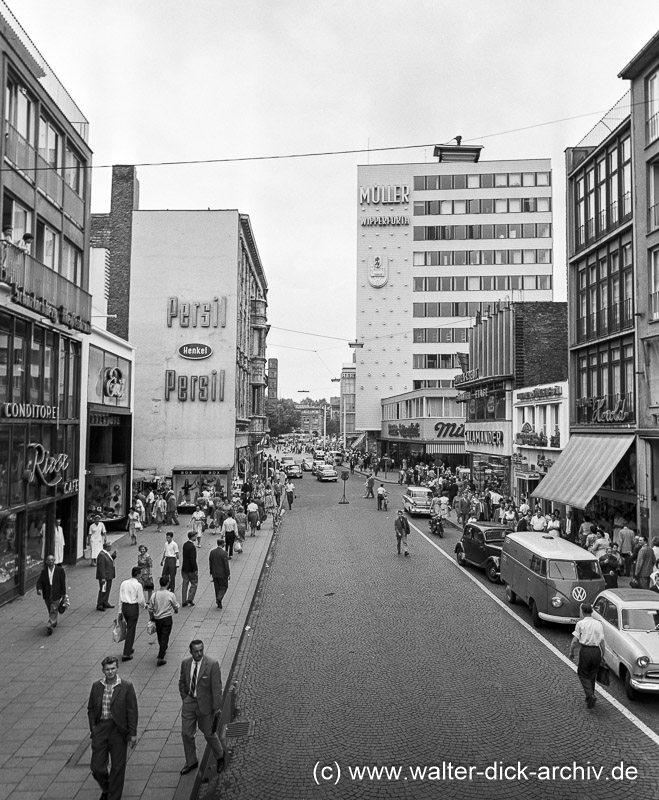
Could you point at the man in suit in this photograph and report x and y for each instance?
(112, 713)
(52, 586)
(200, 687)
(104, 576)
(189, 571)
(218, 561)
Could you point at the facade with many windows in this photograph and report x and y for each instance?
(438, 244)
(45, 311)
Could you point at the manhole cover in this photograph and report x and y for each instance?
(235, 729)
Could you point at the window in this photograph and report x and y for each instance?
(654, 283)
(73, 173)
(72, 263)
(653, 106)
(49, 144)
(47, 248)
(20, 110)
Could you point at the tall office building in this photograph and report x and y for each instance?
(438, 243)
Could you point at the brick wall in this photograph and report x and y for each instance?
(124, 202)
(100, 231)
(540, 349)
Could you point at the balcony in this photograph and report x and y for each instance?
(257, 372)
(607, 219)
(259, 314)
(36, 286)
(258, 427)
(19, 151)
(49, 181)
(606, 321)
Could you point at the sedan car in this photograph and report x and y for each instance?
(293, 471)
(417, 500)
(316, 464)
(630, 618)
(327, 473)
(306, 465)
(481, 545)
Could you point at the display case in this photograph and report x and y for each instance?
(188, 484)
(105, 491)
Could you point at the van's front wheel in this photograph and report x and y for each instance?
(535, 617)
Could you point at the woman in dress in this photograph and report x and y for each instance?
(133, 523)
(197, 523)
(241, 522)
(96, 537)
(159, 511)
(145, 562)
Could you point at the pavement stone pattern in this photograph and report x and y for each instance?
(359, 656)
(44, 739)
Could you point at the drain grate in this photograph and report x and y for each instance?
(235, 729)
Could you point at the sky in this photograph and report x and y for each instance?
(185, 80)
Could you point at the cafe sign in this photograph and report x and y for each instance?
(601, 412)
(44, 467)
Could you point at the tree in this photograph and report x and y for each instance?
(283, 416)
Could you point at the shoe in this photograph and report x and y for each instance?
(104, 796)
(126, 658)
(107, 605)
(49, 631)
(160, 662)
(190, 603)
(100, 608)
(189, 767)
(590, 701)
(219, 605)
(221, 763)
(183, 605)
(230, 557)
(406, 553)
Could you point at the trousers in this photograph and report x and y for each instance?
(169, 570)
(163, 631)
(191, 719)
(131, 612)
(189, 588)
(589, 663)
(109, 743)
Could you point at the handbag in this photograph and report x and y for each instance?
(138, 526)
(237, 546)
(634, 584)
(87, 553)
(119, 629)
(603, 674)
(151, 627)
(64, 603)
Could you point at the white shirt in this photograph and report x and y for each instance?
(171, 550)
(589, 632)
(131, 591)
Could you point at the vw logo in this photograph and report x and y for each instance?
(579, 594)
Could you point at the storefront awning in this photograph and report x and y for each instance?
(446, 447)
(582, 468)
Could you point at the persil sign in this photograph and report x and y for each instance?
(195, 352)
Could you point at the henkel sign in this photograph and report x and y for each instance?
(195, 352)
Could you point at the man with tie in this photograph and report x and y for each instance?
(112, 713)
(104, 576)
(52, 586)
(200, 687)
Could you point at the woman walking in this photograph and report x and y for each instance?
(198, 522)
(145, 563)
(134, 523)
(159, 511)
(96, 538)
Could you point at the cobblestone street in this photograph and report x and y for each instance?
(360, 657)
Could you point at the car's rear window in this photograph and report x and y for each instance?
(575, 570)
(495, 535)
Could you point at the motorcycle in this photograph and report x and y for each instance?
(437, 526)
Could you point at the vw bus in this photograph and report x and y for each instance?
(551, 575)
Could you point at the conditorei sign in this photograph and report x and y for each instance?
(28, 411)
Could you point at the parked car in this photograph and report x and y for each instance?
(481, 545)
(327, 473)
(417, 500)
(630, 618)
(293, 471)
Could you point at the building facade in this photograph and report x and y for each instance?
(45, 311)
(348, 378)
(439, 243)
(189, 288)
(515, 346)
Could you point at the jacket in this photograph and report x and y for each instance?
(218, 562)
(123, 706)
(189, 557)
(57, 590)
(209, 684)
(104, 566)
(401, 526)
(644, 562)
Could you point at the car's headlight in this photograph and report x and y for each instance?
(642, 661)
(557, 601)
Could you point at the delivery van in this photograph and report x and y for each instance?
(551, 575)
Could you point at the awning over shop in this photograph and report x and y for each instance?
(446, 447)
(582, 468)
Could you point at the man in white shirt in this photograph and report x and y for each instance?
(169, 560)
(589, 635)
(131, 596)
(538, 522)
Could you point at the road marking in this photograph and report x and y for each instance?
(654, 737)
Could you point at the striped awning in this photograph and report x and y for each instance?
(582, 468)
(446, 447)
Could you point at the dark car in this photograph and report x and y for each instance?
(481, 545)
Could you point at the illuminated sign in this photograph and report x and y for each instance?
(114, 382)
(405, 431)
(195, 352)
(494, 438)
(384, 220)
(540, 394)
(195, 314)
(28, 411)
(384, 195)
(188, 388)
(619, 413)
(470, 375)
(44, 466)
(450, 429)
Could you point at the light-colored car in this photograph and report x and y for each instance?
(316, 463)
(286, 461)
(630, 618)
(417, 500)
(293, 471)
(306, 465)
(327, 473)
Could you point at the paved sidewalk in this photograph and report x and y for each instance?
(44, 739)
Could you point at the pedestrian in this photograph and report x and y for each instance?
(148, 507)
(104, 575)
(198, 522)
(159, 511)
(569, 531)
(171, 517)
(624, 537)
(382, 493)
(52, 587)
(252, 517)
(96, 537)
(145, 563)
(218, 562)
(241, 524)
(189, 571)
(538, 522)
(289, 490)
(228, 532)
(644, 564)
(200, 687)
(402, 528)
(370, 483)
(170, 560)
(134, 523)
(162, 606)
(58, 542)
(113, 714)
(131, 596)
(589, 635)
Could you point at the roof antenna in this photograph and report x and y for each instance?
(458, 140)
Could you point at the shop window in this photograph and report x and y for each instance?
(19, 362)
(8, 554)
(5, 331)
